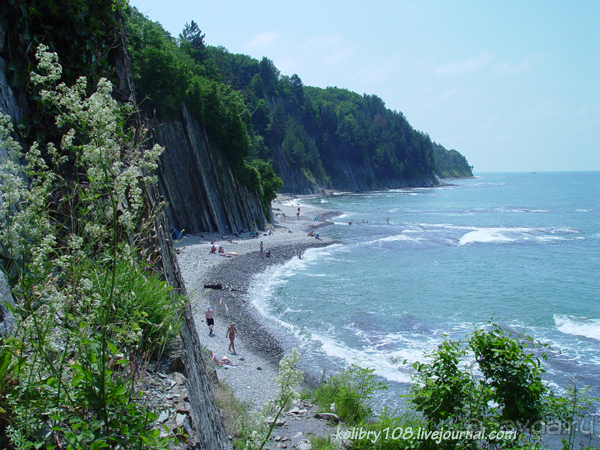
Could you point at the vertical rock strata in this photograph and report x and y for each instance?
(197, 183)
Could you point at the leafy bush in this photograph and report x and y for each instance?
(146, 316)
(349, 392)
(508, 395)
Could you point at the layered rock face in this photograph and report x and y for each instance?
(348, 177)
(196, 182)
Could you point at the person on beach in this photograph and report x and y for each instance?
(221, 249)
(299, 253)
(298, 214)
(261, 248)
(231, 332)
(213, 249)
(210, 319)
(221, 362)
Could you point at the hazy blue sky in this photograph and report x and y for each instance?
(512, 85)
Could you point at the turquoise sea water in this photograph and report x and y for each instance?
(523, 248)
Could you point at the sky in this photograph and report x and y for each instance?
(512, 85)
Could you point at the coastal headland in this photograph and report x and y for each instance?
(257, 349)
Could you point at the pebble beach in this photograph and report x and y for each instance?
(257, 349)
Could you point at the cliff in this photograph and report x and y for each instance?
(197, 183)
(347, 176)
(206, 416)
(11, 107)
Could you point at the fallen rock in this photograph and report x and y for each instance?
(304, 445)
(280, 422)
(327, 416)
(180, 419)
(177, 365)
(164, 416)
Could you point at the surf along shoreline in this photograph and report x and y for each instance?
(258, 349)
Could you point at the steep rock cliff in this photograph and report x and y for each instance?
(11, 107)
(197, 183)
(347, 177)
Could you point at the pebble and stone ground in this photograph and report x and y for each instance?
(257, 351)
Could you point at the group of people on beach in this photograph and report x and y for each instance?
(209, 314)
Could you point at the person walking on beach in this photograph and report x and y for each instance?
(298, 214)
(261, 249)
(231, 332)
(210, 319)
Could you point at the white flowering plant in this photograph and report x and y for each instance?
(288, 380)
(88, 306)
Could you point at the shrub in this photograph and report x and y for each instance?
(350, 392)
(508, 395)
(85, 304)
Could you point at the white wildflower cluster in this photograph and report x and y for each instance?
(115, 172)
(111, 175)
(48, 65)
(255, 441)
(289, 378)
(23, 199)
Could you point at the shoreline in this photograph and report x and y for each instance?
(257, 347)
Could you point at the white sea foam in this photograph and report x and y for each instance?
(485, 235)
(578, 326)
(399, 237)
(504, 235)
(383, 364)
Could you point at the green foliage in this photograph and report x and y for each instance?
(237, 417)
(322, 443)
(192, 35)
(146, 314)
(512, 372)
(300, 150)
(450, 163)
(349, 392)
(83, 33)
(163, 77)
(88, 310)
(390, 430)
(571, 410)
(443, 390)
(169, 75)
(222, 111)
(261, 177)
(508, 396)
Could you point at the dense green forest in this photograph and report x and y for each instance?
(450, 163)
(256, 116)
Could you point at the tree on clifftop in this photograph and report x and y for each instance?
(193, 36)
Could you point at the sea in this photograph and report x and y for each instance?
(418, 266)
